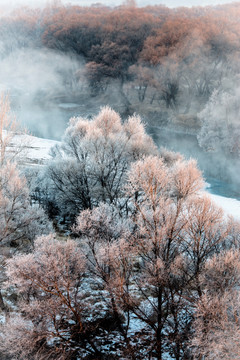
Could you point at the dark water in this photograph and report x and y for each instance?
(222, 174)
(219, 187)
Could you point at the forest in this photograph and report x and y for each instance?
(112, 249)
(177, 68)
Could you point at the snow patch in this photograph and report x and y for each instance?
(31, 150)
(69, 105)
(230, 206)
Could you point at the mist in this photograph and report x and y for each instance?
(57, 66)
(34, 79)
(169, 3)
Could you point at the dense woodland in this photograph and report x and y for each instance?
(112, 250)
(176, 67)
(150, 266)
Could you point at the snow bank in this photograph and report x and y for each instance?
(230, 206)
(38, 148)
(33, 150)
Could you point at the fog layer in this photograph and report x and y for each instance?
(178, 69)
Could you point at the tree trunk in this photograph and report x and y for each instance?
(2, 305)
(159, 326)
(125, 99)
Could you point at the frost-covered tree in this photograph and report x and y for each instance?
(91, 164)
(60, 316)
(19, 219)
(51, 319)
(7, 127)
(151, 265)
(109, 257)
(12, 146)
(138, 282)
(217, 331)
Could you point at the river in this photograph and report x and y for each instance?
(218, 171)
(50, 121)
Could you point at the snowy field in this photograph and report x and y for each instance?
(32, 150)
(230, 206)
(38, 149)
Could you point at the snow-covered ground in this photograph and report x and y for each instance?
(230, 206)
(39, 149)
(33, 150)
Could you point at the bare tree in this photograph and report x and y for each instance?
(18, 219)
(217, 332)
(152, 264)
(53, 319)
(20, 222)
(11, 145)
(91, 164)
(139, 282)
